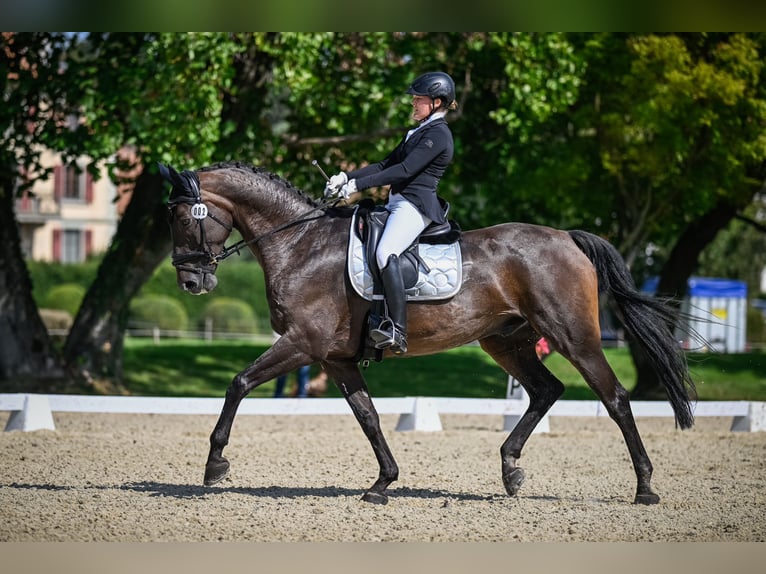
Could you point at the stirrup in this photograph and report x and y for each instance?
(387, 336)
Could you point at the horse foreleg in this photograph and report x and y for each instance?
(217, 466)
(543, 389)
(351, 383)
(279, 359)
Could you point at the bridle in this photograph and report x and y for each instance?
(200, 212)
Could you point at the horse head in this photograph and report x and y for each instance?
(198, 231)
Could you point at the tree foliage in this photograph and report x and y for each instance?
(639, 137)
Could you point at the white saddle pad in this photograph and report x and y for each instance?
(443, 281)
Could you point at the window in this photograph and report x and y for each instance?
(72, 245)
(72, 249)
(72, 185)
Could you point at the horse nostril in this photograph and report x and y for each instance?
(190, 285)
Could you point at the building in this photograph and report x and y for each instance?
(69, 216)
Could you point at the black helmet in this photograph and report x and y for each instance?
(434, 85)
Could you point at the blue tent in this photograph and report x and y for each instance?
(706, 287)
(716, 309)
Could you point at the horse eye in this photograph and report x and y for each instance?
(186, 221)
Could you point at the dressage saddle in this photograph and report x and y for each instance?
(370, 222)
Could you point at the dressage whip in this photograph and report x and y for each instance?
(319, 167)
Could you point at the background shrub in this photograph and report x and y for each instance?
(756, 326)
(161, 311)
(239, 277)
(47, 275)
(230, 315)
(65, 297)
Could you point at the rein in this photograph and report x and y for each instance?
(232, 249)
(200, 213)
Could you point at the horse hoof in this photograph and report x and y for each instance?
(513, 481)
(215, 472)
(375, 498)
(647, 499)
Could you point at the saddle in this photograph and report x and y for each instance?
(431, 267)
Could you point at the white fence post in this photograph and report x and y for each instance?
(35, 414)
(754, 420)
(424, 417)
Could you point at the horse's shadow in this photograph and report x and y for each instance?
(191, 491)
(187, 491)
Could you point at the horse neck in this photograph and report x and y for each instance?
(262, 208)
(258, 202)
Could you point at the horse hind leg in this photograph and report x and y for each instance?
(593, 366)
(543, 388)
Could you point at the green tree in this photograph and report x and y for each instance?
(161, 95)
(644, 138)
(33, 90)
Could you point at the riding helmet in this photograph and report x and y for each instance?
(434, 85)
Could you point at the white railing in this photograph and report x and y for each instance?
(34, 411)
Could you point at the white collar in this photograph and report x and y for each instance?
(432, 117)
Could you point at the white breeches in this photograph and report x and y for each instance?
(404, 224)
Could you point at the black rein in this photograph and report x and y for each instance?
(213, 259)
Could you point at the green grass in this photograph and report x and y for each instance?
(195, 368)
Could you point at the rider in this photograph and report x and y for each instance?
(413, 170)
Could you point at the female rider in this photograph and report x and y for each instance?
(413, 170)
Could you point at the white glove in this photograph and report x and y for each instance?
(348, 189)
(336, 182)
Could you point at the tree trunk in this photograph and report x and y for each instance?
(95, 343)
(673, 282)
(28, 358)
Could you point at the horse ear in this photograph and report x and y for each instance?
(169, 173)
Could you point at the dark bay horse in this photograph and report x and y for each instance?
(520, 282)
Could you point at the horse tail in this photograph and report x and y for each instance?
(651, 321)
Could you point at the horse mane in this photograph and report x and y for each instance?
(265, 174)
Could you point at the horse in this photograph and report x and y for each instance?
(520, 282)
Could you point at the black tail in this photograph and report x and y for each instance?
(651, 321)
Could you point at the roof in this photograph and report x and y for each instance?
(706, 287)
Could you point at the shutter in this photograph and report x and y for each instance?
(88, 242)
(57, 245)
(88, 188)
(58, 182)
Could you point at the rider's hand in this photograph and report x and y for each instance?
(336, 182)
(348, 189)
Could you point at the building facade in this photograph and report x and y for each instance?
(69, 216)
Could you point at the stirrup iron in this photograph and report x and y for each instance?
(388, 336)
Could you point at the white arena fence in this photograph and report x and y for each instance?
(29, 412)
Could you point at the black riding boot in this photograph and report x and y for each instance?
(392, 332)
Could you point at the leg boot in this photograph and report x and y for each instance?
(392, 332)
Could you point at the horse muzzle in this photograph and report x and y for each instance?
(196, 282)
